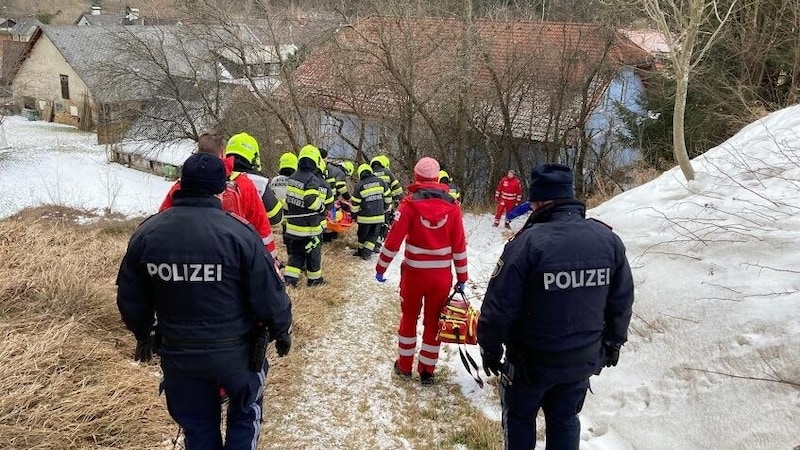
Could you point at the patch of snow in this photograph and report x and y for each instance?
(174, 152)
(715, 262)
(57, 164)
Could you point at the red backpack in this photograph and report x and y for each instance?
(232, 197)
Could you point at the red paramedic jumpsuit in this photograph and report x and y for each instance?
(430, 221)
(507, 195)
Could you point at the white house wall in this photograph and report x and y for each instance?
(39, 77)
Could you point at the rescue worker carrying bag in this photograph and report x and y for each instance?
(458, 324)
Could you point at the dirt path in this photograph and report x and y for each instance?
(347, 395)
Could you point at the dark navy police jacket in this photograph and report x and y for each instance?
(208, 279)
(562, 285)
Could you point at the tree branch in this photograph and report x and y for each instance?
(746, 377)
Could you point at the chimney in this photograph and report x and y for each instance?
(95, 10)
(131, 13)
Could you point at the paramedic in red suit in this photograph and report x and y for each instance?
(253, 207)
(429, 220)
(507, 195)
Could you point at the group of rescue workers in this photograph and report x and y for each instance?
(201, 283)
(315, 195)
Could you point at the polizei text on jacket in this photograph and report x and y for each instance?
(577, 278)
(185, 272)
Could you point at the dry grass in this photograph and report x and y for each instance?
(606, 188)
(450, 417)
(67, 375)
(479, 433)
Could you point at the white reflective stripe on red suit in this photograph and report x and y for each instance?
(427, 361)
(435, 264)
(407, 340)
(406, 351)
(430, 348)
(443, 251)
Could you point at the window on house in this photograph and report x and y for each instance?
(64, 87)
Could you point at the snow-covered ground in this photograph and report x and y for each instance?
(716, 325)
(48, 163)
(716, 264)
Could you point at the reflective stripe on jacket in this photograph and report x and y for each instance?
(508, 190)
(371, 198)
(305, 204)
(388, 177)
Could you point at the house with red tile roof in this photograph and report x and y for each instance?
(520, 85)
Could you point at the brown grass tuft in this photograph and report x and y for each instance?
(480, 433)
(65, 388)
(67, 375)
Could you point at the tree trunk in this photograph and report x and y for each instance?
(678, 138)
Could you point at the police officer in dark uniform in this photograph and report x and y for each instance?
(219, 299)
(560, 302)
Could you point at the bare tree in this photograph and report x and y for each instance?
(219, 70)
(683, 24)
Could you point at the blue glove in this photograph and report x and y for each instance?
(522, 208)
(460, 287)
(379, 277)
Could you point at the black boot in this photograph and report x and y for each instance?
(366, 254)
(318, 282)
(400, 373)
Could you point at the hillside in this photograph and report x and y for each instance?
(67, 11)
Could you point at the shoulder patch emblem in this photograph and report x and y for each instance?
(497, 268)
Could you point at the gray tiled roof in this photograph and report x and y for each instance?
(25, 26)
(113, 63)
(102, 20)
(10, 57)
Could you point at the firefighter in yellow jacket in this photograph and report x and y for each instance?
(371, 199)
(305, 200)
